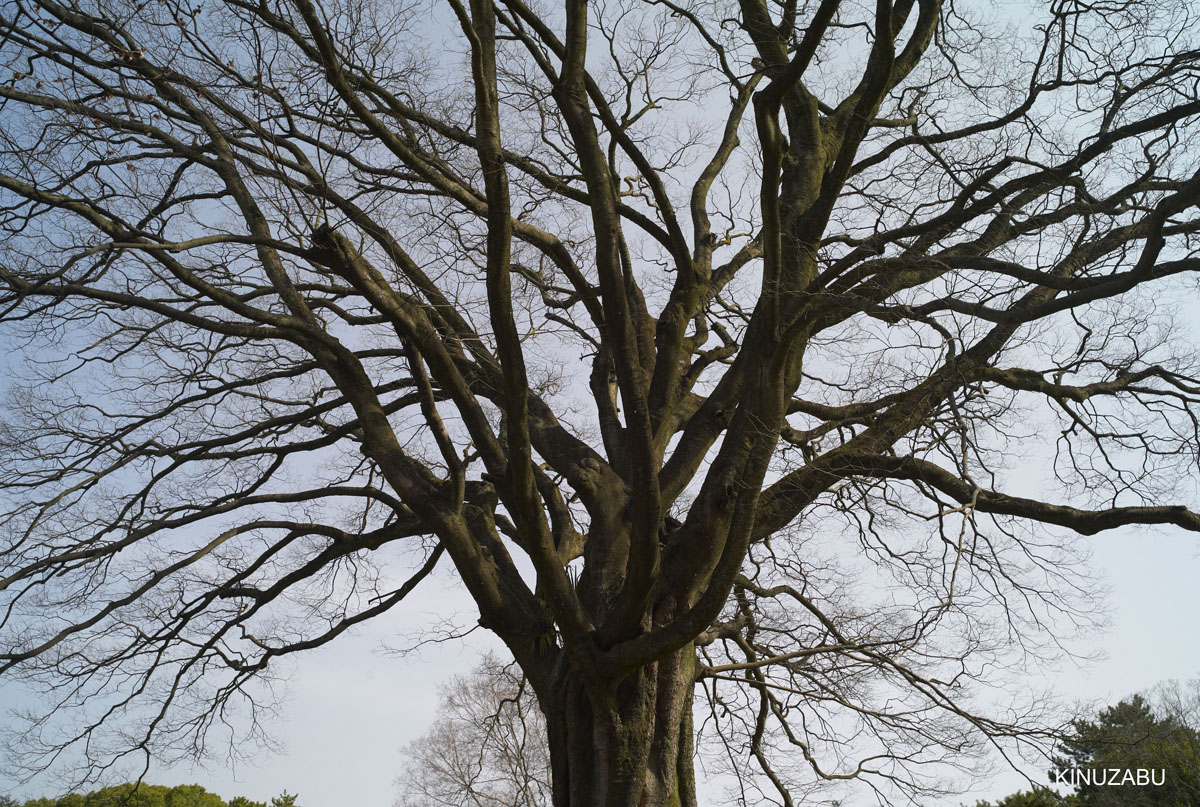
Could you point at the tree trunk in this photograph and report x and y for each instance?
(635, 750)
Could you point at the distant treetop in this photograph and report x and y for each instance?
(142, 794)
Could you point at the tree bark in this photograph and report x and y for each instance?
(634, 748)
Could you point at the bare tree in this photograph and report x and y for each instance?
(487, 747)
(713, 344)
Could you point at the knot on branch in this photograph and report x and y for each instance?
(324, 237)
(333, 250)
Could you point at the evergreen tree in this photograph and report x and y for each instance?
(1130, 736)
(242, 801)
(141, 794)
(1038, 797)
(1135, 735)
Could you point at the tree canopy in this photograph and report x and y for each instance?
(1159, 735)
(1132, 735)
(715, 348)
(141, 794)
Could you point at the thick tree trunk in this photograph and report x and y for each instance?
(636, 750)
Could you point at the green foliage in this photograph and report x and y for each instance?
(1131, 736)
(146, 795)
(126, 795)
(192, 796)
(1039, 797)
